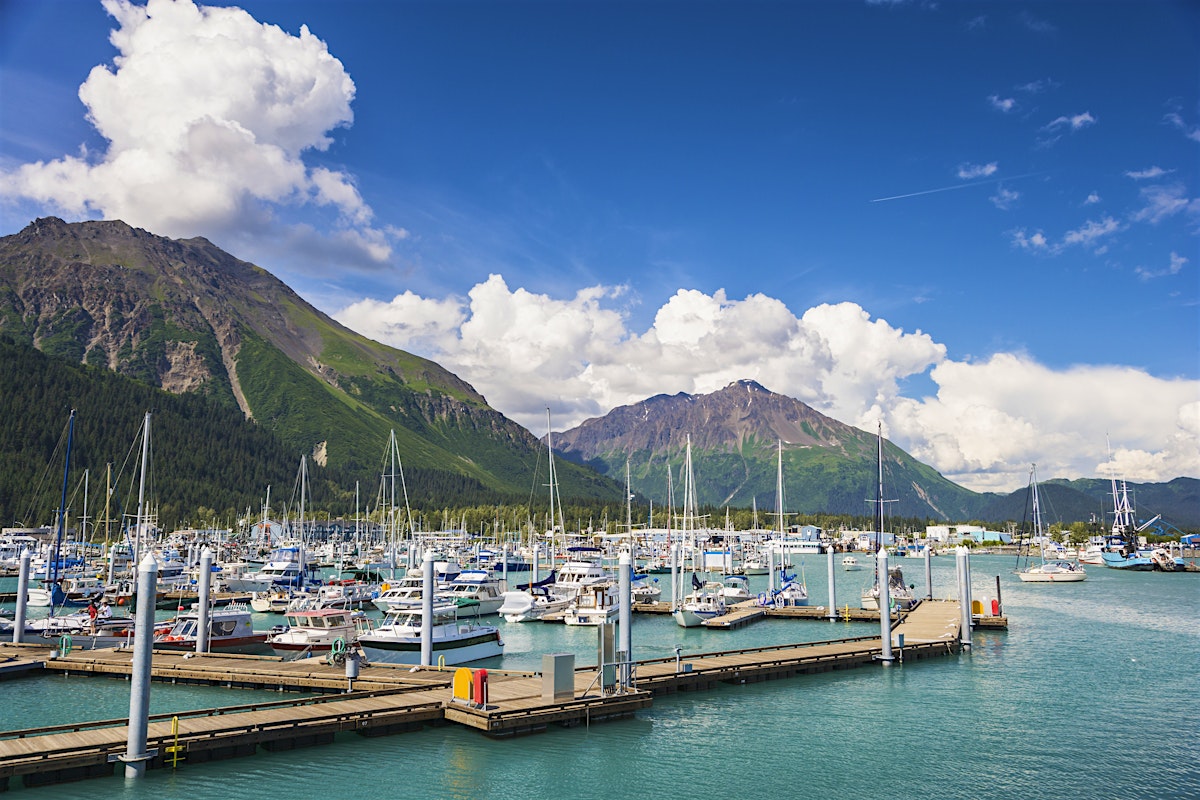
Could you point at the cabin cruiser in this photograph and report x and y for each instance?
(595, 603)
(532, 601)
(285, 567)
(229, 631)
(318, 631)
(478, 586)
(398, 639)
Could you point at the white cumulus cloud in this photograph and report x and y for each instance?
(208, 114)
(986, 423)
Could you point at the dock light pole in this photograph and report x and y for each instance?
(22, 596)
(831, 612)
(885, 607)
(625, 618)
(205, 591)
(427, 609)
(136, 756)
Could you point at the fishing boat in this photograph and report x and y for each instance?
(1052, 570)
(397, 640)
(316, 631)
(900, 594)
(1125, 555)
(230, 630)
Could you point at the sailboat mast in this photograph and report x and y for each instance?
(52, 574)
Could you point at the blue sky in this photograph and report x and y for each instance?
(974, 221)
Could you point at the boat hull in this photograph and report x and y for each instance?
(1051, 577)
(1135, 563)
(406, 650)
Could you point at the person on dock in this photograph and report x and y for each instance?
(92, 611)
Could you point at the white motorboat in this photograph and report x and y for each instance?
(645, 589)
(285, 567)
(275, 601)
(531, 604)
(403, 595)
(478, 586)
(397, 640)
(316, 631)
(850, 564)
(595, 603)
(735, 589)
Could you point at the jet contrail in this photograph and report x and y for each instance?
(956, 186)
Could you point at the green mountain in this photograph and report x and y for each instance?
(828, 466)
(190, 319)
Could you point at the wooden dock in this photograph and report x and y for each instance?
(386, 699)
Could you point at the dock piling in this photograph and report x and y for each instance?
(135, 756)
(832, 614)
(22, 596)
(885, 608)
(204, 594)
(427, 607)
(625, 618)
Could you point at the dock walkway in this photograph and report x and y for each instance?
(386, 699)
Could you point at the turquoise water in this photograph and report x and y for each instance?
(1090, 693)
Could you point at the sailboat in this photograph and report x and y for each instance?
(705, 601)
(51, 594)
(539, 598)
(1055, 570)
(901, 596)
(792, 591)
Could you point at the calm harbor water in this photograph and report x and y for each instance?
(1090, 693)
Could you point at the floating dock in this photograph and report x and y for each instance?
(385, 699)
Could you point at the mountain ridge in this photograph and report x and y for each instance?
(187, 317)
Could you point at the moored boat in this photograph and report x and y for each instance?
(1052, 570)
(230, 630)
(397, 640)
(315, 631)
